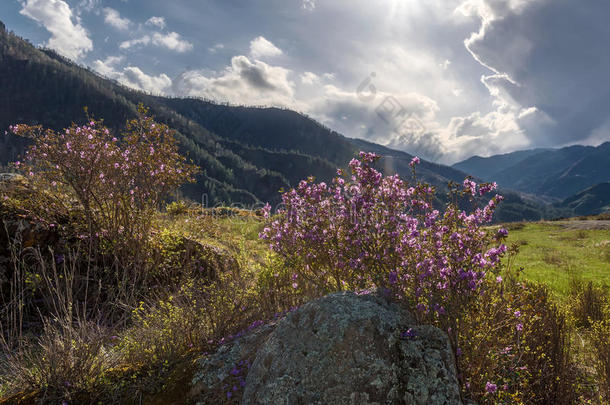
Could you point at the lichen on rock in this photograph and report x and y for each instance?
(344, 348)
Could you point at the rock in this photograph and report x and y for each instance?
(178, 255)
(15, 225)
(342, 349)
(11, 177)
(219, 372)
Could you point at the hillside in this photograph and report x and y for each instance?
(556, 173)
(489, 167)
(594, 200)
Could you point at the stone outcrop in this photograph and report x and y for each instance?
(341, 349)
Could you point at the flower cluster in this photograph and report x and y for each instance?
(369, 230)
(115, 182)
(238, 375)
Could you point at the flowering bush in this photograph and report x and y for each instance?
(118, 183)
(513, 347)
(367, 230)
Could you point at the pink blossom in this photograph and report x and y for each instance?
(490, 387)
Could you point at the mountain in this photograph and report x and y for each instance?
(592, 201)
(555, 173)
(286, 130)
(271, 128)
(41, 87)
(489, 167)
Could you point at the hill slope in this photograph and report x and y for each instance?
(557, 172)
(592, 201)
(488, 167)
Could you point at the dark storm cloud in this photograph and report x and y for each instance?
(557, 54)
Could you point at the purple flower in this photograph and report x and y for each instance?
(491, 387)
(519, 326)
(59, 259)
(365, 224)
(408, 334)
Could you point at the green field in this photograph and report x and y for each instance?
(556, 253)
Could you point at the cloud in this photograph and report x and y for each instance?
(113, 18)
(145, 40)
(537, 63)
(309, 5)
(86, 6)
(107, 67)
(133, 76)
(171, 41)
(246, 81)
(158, 22)
(479, 76)
(261, 47)
(68, 36)
(395, 120)
(216, 48)
(309, 78)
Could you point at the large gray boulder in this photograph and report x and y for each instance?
(341, 349)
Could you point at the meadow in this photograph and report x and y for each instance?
(558, 253)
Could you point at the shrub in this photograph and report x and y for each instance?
(169, 332)
(118, 183)
(587, 302)
(367, 230)
(514, 347)
(600, 340)
(67, 359)
(276, 282)
(176, 208)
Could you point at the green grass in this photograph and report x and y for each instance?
(236, 232)
(555, 253)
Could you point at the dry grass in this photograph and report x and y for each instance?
(587, 302)
(552, 256)
(600, 340)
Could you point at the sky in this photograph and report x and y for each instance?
(442, 79)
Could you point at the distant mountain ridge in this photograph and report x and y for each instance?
(489, 167)
(557, 173)
(592, 201)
